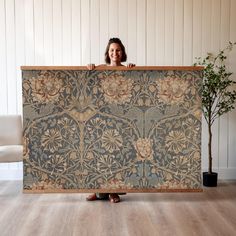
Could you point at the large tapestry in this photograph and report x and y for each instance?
(136, 130)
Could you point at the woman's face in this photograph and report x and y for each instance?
(115, 53)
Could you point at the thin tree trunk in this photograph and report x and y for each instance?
(209, 149)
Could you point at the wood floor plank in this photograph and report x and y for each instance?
(212, 212)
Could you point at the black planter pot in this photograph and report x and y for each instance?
(210, 180)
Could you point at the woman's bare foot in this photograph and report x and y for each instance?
(114, 198)
(92, 197)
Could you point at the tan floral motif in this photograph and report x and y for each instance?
(95, 124)
(82, 108)
(193, 127)
(90, 156)
(111, 140)
(172, 90)
(26, 85)
(198, 114)
(117, 89)
(106, 164)
(192, 123)
(174, 184)
(81, 175)
(51, 140)
(176, 141)
(46, 185)
(82, 116)
(46, 88)
(196, 156)
(144, 149)
(67, 124)
(56, 163)
(82, 102)
(73, 155)
(25, 147)
(116, 184)
(180, 164)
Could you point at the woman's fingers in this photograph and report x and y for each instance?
(129, 65)
(91, 66)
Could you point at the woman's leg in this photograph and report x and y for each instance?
(98, 196)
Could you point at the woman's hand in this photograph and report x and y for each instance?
(91, 66)
(129, 65)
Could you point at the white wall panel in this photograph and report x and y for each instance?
(154, 32)
(11, 57)
(229, 23)
(215, 23)
(76, 29)
(178, 32)
(113, 18)
(206, 26)
(215, 46)
(66, 32)
(224, 120)
(188, 32)
(141, 36)
(225, 22)
(197, 29)
(48, 31)
(85, 32)
(123, 19)
(38, 32)
(3, 61)
(232, 38)
(132, 32)
(104, 28)
(151, 33)
(29, 32)
(160, 32)
(231, 141)
(232, 64)
(206, 45)
(95, 26)
(20, 49)
(57, 32)
(169, 32)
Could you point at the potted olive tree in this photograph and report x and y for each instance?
(218, 97)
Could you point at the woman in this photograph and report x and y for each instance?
(114, 55)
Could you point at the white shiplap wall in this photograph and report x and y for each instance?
(155, 32)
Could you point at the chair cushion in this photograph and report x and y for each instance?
(11, 153)
(10, 130)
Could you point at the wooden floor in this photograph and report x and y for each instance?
(212, 212)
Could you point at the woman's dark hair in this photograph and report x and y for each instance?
(118, 41)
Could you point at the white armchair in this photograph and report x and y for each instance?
(11, 148)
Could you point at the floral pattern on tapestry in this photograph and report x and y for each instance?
(112, 129)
